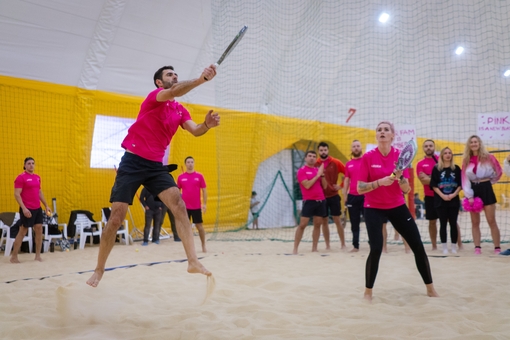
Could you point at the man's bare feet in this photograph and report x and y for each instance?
(38, 258)
(354, 250)
(195, 267)
(328, 248)
(204, 250)
(368, 295)
(343, 246)
(95, 278)
(294, 252)
(431, 291)
(14, 259)
(434, 248)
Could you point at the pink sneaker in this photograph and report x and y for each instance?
(497, 251)
(478, 251)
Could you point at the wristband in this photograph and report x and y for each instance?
(206, 125)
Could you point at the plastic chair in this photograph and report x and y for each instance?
(506, 201)
(9, 242)
(84, 228)
(123, 230)
(48, 238)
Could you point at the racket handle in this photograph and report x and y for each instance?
(215, 65)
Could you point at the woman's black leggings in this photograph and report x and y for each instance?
(403, 222)
(448, 214)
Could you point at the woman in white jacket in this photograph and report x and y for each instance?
(480, 170)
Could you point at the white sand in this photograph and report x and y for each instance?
(261, 293)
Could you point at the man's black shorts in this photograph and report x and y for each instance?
(135, 171)
(37, 218)
(334, 205)
(195, 215)
(314, 208)
(430, 209)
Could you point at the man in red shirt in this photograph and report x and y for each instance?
(28, 193)
(332, 168)
(145, 144)
(191, 184)
(311, 181)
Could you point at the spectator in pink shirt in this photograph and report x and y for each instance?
(312, 182)
(145, 144)
(28, 193)
(384, 188)
(352, 199)
(191, 184)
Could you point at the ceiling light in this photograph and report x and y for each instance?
(384, 17)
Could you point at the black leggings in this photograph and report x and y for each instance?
(355, 206)
(403, 222)
(448, 214)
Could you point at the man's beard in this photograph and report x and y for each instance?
(429, 153)
(323, 157)
(356, 154)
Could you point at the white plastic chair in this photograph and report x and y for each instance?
(82, 222)
(506, 201)
(9, 242)
(123, 230)
(48, 238)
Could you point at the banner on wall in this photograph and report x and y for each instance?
(494, 126)
(403, 134)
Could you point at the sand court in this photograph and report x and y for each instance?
(261, 293)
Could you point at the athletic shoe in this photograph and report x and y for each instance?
(145, 244)
(478, 251)
(505, 252)
(497, 251)
(156, 242)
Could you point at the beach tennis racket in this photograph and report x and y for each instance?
(406, 156)
(231, 47)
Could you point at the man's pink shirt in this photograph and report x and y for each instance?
(375, 166)
(352, 171)
(315, 192)
(426, 165)
(30, 185)
(154, 127)
(191, 185)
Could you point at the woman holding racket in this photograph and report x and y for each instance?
(384, 188)
(480, 170)
(446, 184)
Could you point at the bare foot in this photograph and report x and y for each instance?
(196, 267)
(368, 295)
(314, 251)
(385, 250)
(354, 250)
(328, 248)
(431, 291)
(14, 259)
(95, 278)
(204, 250)
(434, 248)
(343, 246)
(38, 258)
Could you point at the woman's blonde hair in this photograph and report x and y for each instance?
(440, 162)
(483, 154)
